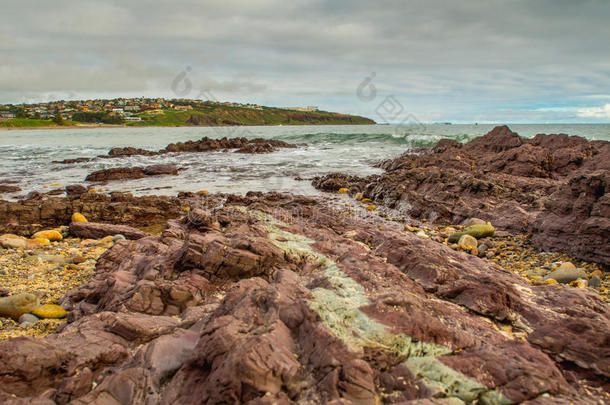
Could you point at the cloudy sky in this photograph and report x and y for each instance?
(462, 61)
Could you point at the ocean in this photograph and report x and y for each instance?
(26, 155)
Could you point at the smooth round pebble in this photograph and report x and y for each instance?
(118, 237)
(28, 319)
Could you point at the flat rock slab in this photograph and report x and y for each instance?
(96, 230)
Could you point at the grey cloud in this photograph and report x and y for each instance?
(456, 60)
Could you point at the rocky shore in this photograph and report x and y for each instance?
(423, 285)
(552, 186)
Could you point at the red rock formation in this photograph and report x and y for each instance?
(555, 186)
(121, 173)
(313, 308)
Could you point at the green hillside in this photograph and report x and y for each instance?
(209, 114)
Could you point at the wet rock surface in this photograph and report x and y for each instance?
(243, 145)
(269, 299)
(554, 186)
(122, 173)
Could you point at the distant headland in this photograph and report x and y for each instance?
(136, 112)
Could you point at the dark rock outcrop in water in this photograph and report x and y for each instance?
(244, 145)
(554, 186)
(122, 173)
(270, 300)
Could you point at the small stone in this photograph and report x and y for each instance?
(59, 259)
(566, 266)
(359, 196)
(597, 273)
(118, 237)
(78, 217)
(595, 282)
(105, 240)
(28, 319)
(50, 311)
(477, 231)
(203, 192)
(79, 259)
(473, 221)
(467, 242)
(343, 190)
(422, 234)
(38, 242)
(580, 283)
(366, 200)
(371, 207)
(13, 243)
(482, 249)
(53, 236)
(566, 276)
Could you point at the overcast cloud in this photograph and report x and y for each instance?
(485, 61)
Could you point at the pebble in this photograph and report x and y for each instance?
(28, 319)
(473, 221)
(78, 259)
(118, 237)
(477, 231)
(50, 311)
(566, 276)
(371, 207)
(359, 196)
(59, 259)
(343, 190)
(566, 266)
(482, 249)
(467, 242)
(595, 282)
(422, 234)
(78, 217)
(13, 243)
(53, 236)
(38, 242)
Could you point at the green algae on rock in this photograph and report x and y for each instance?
(340, 311)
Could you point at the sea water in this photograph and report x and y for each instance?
(26, 156)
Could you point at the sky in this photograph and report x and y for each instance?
(402, 61)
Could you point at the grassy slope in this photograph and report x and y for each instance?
(26, 123)
(224, 115)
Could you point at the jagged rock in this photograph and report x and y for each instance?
(289, 302)
(553, 186)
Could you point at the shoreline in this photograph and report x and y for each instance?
(109, 126)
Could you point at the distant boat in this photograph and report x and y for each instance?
(443, 123)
